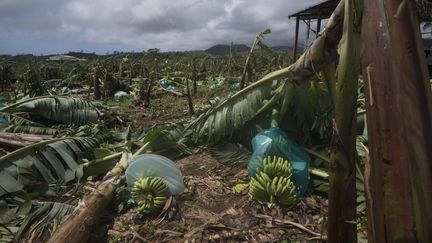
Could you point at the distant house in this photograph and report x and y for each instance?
(65, 58)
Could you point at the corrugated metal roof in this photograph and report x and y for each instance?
(323, 9)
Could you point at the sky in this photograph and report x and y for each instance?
(103, 26)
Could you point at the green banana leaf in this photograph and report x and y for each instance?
(55, 110)
(46, 162)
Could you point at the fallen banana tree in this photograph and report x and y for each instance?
(59, 110)
(79, 224)
(48, 161)
(19, 140)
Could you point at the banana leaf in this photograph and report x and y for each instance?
(55, 110)
(46, 162)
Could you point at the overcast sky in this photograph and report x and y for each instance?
(59, 26)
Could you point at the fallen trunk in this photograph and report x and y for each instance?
(77, 228)
(20, 140)
(171, 91)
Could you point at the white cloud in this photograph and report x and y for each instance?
(142, 24)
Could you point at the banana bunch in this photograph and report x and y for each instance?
(274, 184)
(277, 166)
(258, 187)
(281, 141)
(282, 191)
(150, 193)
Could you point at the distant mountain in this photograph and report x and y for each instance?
(82, 54)
(225, 49)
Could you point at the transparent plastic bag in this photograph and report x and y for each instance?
(153, 165)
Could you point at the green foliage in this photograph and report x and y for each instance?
(48, 162)
(30, 130)
(231, 154)
(54, 110)
(168, 140)
(222, 121)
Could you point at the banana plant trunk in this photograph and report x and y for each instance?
(399, 119)
(189, 98)
(342, 195)
(96, 84)
(148, 93)
(20, 140)
(78, 226)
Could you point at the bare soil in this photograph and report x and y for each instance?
(208, 211)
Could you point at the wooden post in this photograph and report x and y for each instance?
(296, 39)
(309, 28)
(318, 29)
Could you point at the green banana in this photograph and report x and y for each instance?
(238, 188)
(150, 193)
(258, 188)
(277, 166)
(273, 183)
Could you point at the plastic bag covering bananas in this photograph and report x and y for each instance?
(151, 165)
(274, 184)
(150, 194)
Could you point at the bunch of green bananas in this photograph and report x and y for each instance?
(150, 193)
(281, 141)
(274, 184)
(258, 187)
(277, 166)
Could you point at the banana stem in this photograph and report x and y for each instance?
(104, 159)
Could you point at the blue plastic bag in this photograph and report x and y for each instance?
(274, 142)
(235, 85)
(165, 83)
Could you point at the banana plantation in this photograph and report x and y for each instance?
(253, 146)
